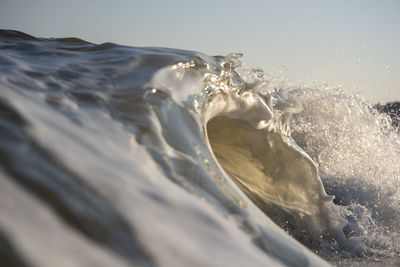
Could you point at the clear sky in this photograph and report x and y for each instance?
(353, 43)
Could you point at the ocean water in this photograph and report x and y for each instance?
(126, 156)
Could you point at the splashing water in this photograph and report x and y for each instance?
(357, 152)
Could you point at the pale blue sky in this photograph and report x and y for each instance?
(354, 43)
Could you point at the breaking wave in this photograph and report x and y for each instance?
(120, 155)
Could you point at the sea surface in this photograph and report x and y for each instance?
(144, 156)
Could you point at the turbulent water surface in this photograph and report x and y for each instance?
(121, 156)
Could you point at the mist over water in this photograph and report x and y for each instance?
(120, 156)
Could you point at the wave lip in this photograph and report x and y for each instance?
(249, 135)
